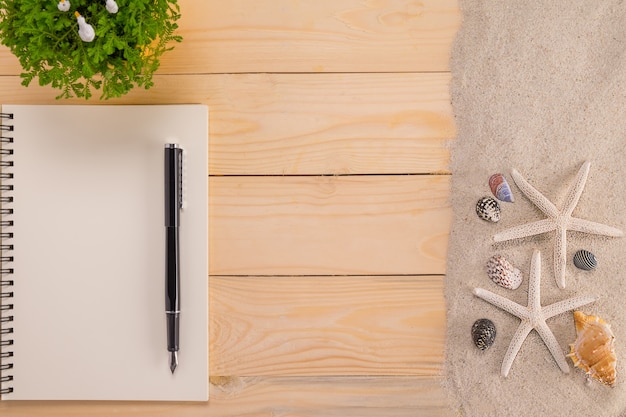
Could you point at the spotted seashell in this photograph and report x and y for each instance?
(583, 259)
(593, 350)
(488, 209)
(500, 188)
(503, 273)
(483, 333)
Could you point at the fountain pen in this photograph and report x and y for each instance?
(173, 204)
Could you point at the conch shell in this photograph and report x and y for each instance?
(593, 349)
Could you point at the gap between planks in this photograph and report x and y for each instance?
(326, 275)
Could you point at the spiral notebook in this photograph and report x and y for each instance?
(83, 253)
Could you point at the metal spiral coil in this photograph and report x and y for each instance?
(6, 258)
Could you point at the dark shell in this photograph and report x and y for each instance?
(483, 333)
(488, 209)
(583, 259)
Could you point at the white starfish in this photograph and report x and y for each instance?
(533, 316)
(560, 221)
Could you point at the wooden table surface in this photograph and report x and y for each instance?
(329, 212)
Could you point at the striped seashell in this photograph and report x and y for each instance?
(503, 273)
(583, 259)
(488, 209)
(500, 188)
(593, 351)
(483, 333)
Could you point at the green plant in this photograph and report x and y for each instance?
(125, 51)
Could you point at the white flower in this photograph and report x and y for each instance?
(64, 5)
(85, 30)
(111, 6)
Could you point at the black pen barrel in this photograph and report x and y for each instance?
(172, 270)
(173, 186)
(173, 203)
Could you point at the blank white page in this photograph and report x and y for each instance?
(89, 266)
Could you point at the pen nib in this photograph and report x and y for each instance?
(173, 361)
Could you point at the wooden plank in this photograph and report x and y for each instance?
(262, 397)
(298, 326)
(238, 36)
(332, 124)
(306, 123)
(354, 225)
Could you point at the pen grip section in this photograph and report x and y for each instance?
(172, 331)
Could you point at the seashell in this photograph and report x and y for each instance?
(583, 259)
(488, 209)
(500, 188)
(483, 333)
(503, 273)
(593, 350)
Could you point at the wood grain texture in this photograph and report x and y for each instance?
(358, 225)
(238, 36)
(264, 124)
(332, 124)
(312, 314)
(297, 326)
(270, 397)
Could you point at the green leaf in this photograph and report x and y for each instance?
(124, 54)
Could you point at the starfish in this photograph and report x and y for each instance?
(533, 316)
(559, 221)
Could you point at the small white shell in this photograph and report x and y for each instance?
(503, 273)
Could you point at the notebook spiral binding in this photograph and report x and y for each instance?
(6, 284)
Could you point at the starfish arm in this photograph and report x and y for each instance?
(553, 346)
(567, 305)
(535, 196)
(525, 230)
(534, 282)
(516, 343)
(502, 303)
(580, 225)
(573, 195)
(560, 256)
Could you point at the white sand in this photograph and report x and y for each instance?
(540, 86)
